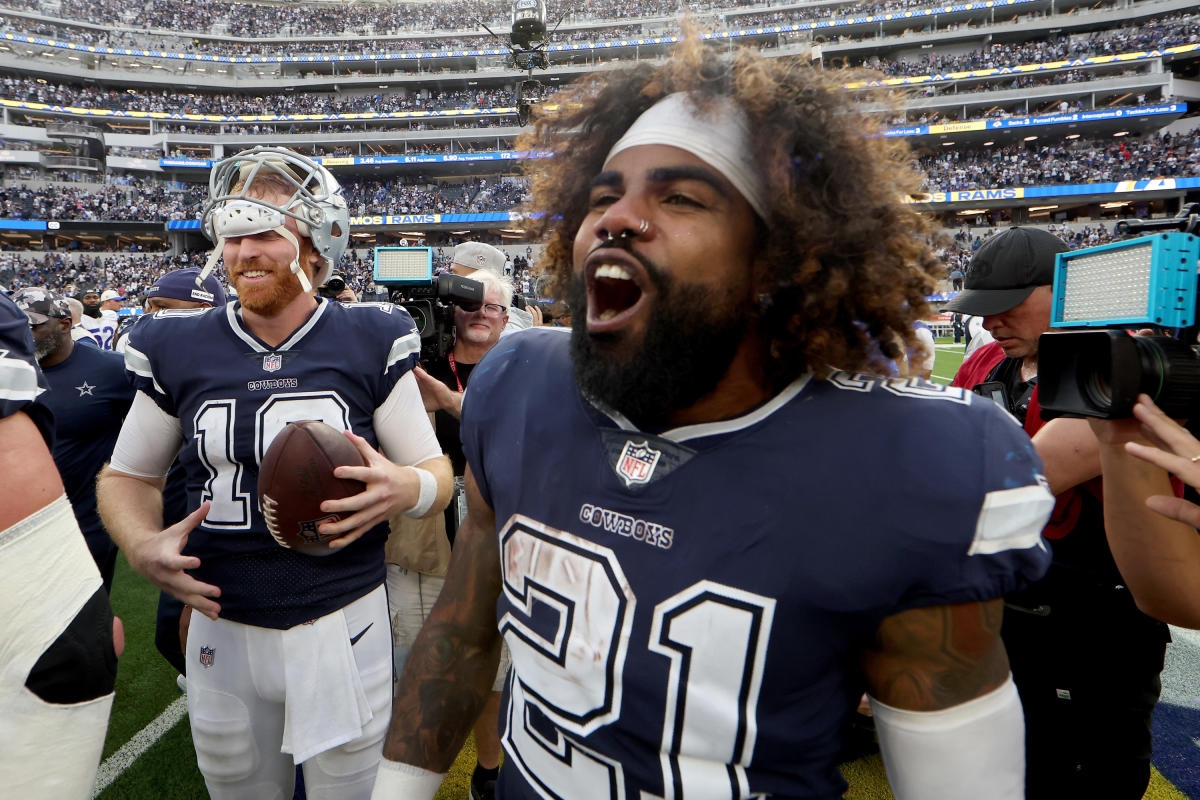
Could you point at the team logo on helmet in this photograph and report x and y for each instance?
(636, 462)
(481, 261)
(272, 362)
(208, 655)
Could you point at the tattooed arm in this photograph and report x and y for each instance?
(449, 673)
(932, 658)
(946, 710)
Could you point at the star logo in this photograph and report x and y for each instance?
(86, 388)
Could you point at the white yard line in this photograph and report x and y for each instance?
(121, 760)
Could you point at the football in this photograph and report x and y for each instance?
(296, 476)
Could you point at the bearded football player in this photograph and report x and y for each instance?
(289, 655)
(698, 536)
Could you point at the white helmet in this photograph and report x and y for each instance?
(316, 204)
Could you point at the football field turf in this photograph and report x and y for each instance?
(148, 753)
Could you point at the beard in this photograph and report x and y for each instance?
(91, 311)
(43, 348)
(268, 299)
(691, 339)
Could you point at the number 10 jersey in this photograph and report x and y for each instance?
(232, 394)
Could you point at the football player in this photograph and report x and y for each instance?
(59, 640)
(701, 541)
(100, 326)
(289, 655)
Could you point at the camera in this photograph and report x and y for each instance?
(332, 287)
(429, 300)
(1149, 281)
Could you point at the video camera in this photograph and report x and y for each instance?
(1149, 281)
(332, 287)
(430, 301)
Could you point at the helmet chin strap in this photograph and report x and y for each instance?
(219, 247)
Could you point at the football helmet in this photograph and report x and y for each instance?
(316, 204)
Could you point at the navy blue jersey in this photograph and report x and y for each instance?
(21, 381)
(232, 394)
(686, 611)
(89, 395)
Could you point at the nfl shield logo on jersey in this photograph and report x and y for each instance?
(272, 362)
(207, 656)
(636, 462)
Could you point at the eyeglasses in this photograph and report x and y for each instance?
(494, 310)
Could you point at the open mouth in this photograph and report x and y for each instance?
(614, 293)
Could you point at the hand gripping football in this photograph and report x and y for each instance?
(296, 476)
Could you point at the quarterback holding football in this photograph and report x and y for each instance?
(289, 657)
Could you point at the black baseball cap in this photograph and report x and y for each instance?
(1006, 269)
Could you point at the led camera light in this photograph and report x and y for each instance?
(1146, 281)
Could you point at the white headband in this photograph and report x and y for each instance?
(721, 140)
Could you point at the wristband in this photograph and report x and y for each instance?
(428, 493)
(395, 780)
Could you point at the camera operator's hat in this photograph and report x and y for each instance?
(1006, 270)
(180, 284)
(109, 294)
(477, 255)
(40, 304)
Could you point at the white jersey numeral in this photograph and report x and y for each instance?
(213, 424)
(215, 432)
(716, 638)
(569, 643)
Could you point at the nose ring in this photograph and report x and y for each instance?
(643, 227)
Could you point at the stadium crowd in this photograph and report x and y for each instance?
(141, 200)
(1168, 31)
(130, 197)
(1074, 161)
(252, 19)
(1165, 31)
(131, 274)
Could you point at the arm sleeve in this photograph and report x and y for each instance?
(402, 426)
(975, 749)
(149, 441)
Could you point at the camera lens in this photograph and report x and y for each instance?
(1098, 387)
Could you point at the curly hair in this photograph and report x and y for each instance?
(846, 263)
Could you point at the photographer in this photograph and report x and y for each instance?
(472, 258)
(418, 551)
(1085, 659)
(1152, 532)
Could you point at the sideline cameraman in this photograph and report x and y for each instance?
(471, 258)
(1151, 531)
(1085, 659)
(418, 551)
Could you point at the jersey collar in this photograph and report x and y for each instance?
(703, 429)
(233, 313)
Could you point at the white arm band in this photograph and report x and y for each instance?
(402, 427)
(429, 490)
(397, 781)
(150, 439)
(975, 749)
